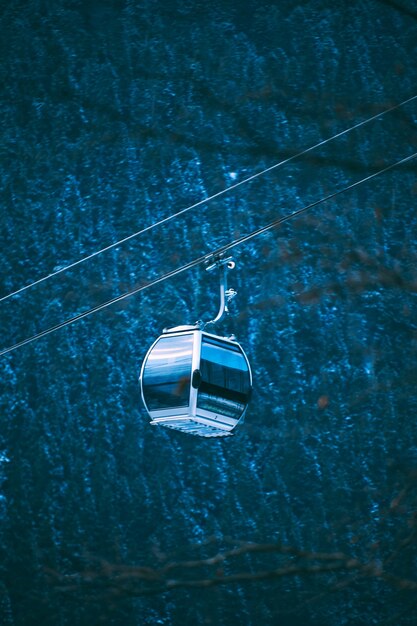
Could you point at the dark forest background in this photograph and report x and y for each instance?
(115, 114)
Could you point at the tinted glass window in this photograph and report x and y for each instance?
(167, 373)
(225, 385)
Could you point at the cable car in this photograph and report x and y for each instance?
(196, 381)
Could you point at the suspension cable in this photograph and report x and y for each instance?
(206, 200)
(206, 257)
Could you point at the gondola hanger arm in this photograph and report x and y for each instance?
(224, 264)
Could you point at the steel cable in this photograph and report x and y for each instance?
(207, 200)
(207, 257)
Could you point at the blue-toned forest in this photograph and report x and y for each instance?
(119, 113)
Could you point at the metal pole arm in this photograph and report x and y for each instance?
(226, 295)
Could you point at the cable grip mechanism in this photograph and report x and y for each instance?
(226, 295)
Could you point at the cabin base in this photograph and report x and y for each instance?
(192, 427)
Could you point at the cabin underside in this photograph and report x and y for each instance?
(193, 426)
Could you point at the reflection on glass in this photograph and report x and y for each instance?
(225, 385)
(167, 373)
(218, 404)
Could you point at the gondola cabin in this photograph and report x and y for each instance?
(196, 382)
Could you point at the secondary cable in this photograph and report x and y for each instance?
(206, 257)
(206, 200)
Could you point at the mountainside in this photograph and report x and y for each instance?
(117, 114)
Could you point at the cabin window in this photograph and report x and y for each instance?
(167, 373)
(225, 378)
